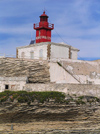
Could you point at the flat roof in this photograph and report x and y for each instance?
(46, 43)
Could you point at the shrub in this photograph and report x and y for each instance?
(3, 99)
(67, 101)
(21, 92)
(97, 99)
(78, 102)
(15, 95)
(23, 96)
(23, 99)
(81, 97)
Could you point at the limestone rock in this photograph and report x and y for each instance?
(37, 71)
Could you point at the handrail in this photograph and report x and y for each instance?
(49, 25)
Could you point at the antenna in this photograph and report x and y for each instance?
(44, 9)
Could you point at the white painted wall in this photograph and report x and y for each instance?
(74, 54)
(35, 49)
(59, 52)
(59, 75)
(15, 83)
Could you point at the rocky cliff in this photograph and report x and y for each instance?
(19, 113)
(77, 115)
(22, 106)
(37, 71)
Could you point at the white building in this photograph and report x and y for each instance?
(15, 73)
(44, 48)
(47, 50)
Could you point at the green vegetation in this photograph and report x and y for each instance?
(78, 102)
(97, 99)
(46, 96)
(28, 97)
(80, 97)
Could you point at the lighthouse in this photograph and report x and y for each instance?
(43, 48)
(43, 29)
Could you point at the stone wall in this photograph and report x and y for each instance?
(34, 71)
(12, 83)
(39, 71)
(85, 71)
(77, 89)
(80, 67)
(59, 75)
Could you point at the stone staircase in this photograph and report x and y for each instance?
(37, 71)
(88, 69)
(76, 77)
(82, 67)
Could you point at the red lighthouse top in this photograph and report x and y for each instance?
(43, 29)
(44, 14)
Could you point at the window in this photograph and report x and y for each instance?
(32, 55)
(22, 55)
(6, 86)
(71, 55)
(41, 53)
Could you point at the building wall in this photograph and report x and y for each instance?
(61, 52)
(57, 51)
(74, 54)
(13, 83)
(59, 75)
(35, 49)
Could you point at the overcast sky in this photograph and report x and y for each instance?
(76, 22)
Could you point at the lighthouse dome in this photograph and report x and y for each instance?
(44, 15)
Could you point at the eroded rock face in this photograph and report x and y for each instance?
(22, 112)
(37, 71)
(51, 117)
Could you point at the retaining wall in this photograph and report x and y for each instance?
(78, 89)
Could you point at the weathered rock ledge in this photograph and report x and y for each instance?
(36, 71)
(22, 112)
(49, 118)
